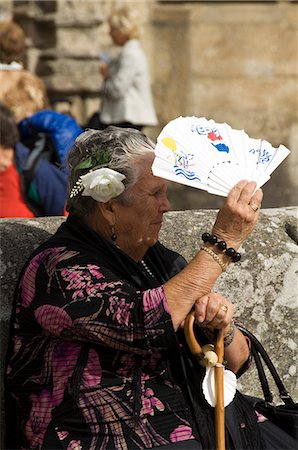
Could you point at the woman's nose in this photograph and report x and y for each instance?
(165, 204)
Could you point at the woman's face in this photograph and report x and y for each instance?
(118, 37)
(138, 223)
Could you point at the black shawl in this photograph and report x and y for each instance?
(241, 421)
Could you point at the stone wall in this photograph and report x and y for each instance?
(263, 286)
(235, 62)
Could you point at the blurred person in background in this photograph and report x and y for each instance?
(126, 98)
(58, 130)
(23, 92)
(46, 192)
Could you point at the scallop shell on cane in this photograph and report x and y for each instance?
(208, 386)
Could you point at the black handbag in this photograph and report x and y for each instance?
(285, 415)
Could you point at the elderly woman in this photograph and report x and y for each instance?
(99, 359)
(21, 91)
(126, 97)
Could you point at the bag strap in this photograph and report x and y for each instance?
(259, 353)
(33, 158)
(262, 376)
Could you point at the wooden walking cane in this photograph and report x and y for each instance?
(207, 357)
(219, 392)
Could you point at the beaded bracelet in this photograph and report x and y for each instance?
(222, 245)
(229, 337)
(215, 257)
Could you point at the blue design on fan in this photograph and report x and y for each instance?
(221, 147)
(186, 173)
(264, 155)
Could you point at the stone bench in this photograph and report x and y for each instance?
(263, 286)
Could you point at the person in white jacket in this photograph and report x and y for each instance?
(126, 93)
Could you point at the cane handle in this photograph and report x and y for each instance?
(206, 354)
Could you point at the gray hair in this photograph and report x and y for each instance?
(126, 149)
(126, 20)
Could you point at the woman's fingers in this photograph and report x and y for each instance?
(243, 193)
(240, 190)
(239, 214)
(255, 204)
(200, 308)
(213, 311)
(257, 198)
(246, 193)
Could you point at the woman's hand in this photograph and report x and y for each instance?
(214, 311)
(239, 214)
(234, 222)
(104, 70)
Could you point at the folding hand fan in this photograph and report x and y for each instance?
(213, 156)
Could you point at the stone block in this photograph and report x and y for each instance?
(34, 9)
(72, 13)
(84, 42)
(71, 76)
(171, 61)
(256, 12)
(6, 10)
(243, 49)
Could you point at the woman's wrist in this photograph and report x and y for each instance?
(231, 241)
(228, 333)
(219, 246)
(219, 259)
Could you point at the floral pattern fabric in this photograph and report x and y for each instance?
(90, 362)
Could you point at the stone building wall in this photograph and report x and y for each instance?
(235, 62)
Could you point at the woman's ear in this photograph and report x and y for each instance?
(107, 210)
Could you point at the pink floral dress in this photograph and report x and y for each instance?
(93, 341)
(94, 362)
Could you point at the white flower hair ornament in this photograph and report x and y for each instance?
(103, 184)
